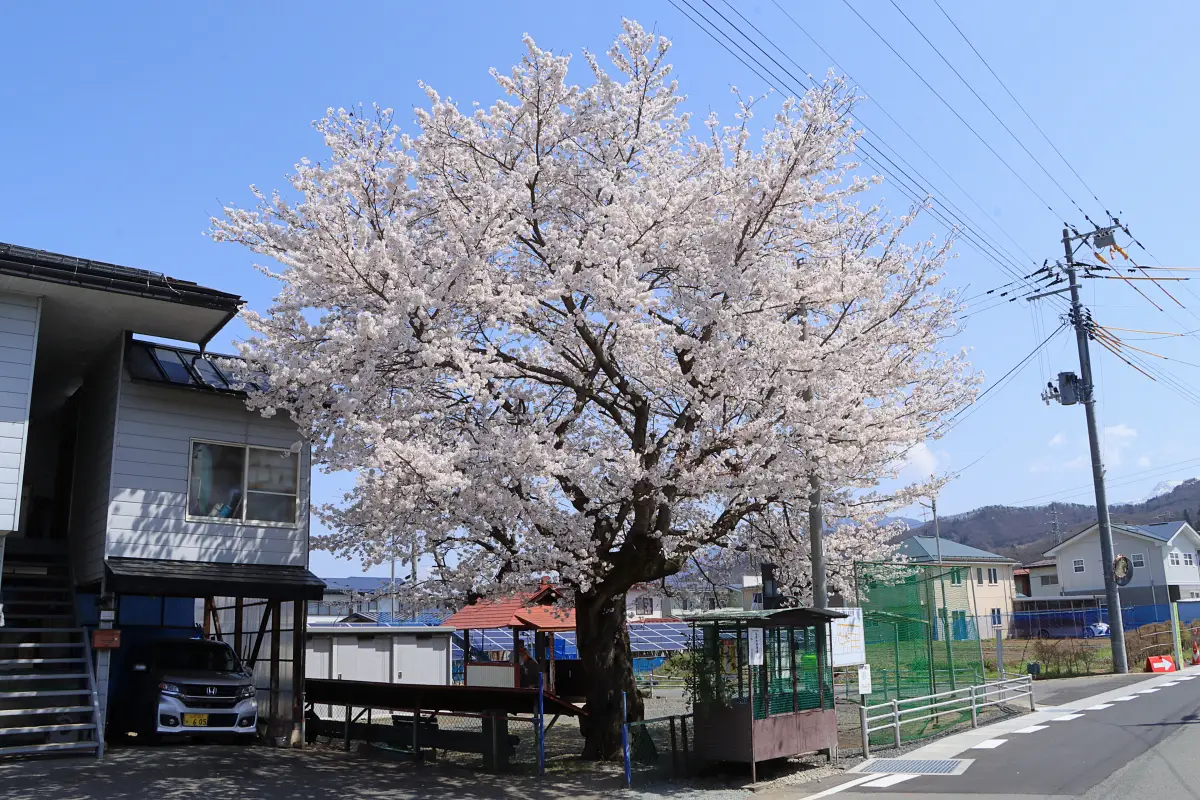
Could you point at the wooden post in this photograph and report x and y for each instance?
(299, 653)
(276, 722)
(674, 751)
(237, 627)
(207, 616)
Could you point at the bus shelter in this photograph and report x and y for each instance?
(763, 684)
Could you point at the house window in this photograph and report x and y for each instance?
(993, 576)
(1189, 559)
(237, 483)
(756, 602)
(956, 577)
(1138, 560)
(996, 620)
(1049, 580)
(1077, 565)
(712, 604)
(1194, 595)
(979, 575)
(644, 604)
(1174, 559)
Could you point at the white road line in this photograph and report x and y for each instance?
(1098, 707)
(990, 744)
(1186, 677)
(1066, 717)
(844, 786)
(1147, 691)
(1169, 683)
(1031, 729)
(890, 780)
(1124, 699)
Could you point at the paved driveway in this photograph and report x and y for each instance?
(211, 772)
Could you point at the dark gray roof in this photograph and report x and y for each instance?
(164, 578)
(773, 618)
(41, 265)
(1159, 531)
(923, 549)
(1163, 531)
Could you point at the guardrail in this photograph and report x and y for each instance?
(917, 709)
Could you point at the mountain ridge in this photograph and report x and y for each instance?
(1026, 532)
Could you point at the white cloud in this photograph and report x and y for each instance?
(920, 463)
(1057, 440)
(1143, 462)
(1079, 462)
(1116, 440)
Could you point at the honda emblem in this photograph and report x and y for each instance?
(210, 691)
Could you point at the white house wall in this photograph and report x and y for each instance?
(155, 427)
(1182, 574)
(1036, 590)
(98, 399)
(19, 317)
(1092, 579)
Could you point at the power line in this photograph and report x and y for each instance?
(996, 116)
(894, 121)
(950, 424)
(953, 111)
(970, 236)
(1120, 480)
(1013, 97)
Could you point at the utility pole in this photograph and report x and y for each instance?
(1116, 627)
(937, 534)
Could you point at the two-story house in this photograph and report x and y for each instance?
(1163, 555)
(986, 578)
(135, 489)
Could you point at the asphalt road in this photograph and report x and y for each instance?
(1147, 746)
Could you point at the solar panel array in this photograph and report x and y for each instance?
(644, 637)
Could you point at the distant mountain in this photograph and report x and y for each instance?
(1025, 532)
(1161, 488)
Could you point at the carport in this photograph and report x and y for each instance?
(259, 610)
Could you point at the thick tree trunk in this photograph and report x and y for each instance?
(603, 644)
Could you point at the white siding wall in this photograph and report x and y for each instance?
(1092, 578)
(1036, 589)
(1182, 574)
(93, 464)
(19, 316)
(155, 426)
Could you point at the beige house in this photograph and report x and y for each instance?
(986, 578)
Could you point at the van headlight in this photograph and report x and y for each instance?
(247, 691)
(170, 689)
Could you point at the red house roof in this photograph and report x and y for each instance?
(526, 610)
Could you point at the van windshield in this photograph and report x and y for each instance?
(193, 654)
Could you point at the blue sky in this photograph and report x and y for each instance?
(129, 125)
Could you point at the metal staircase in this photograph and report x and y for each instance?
(48, 699)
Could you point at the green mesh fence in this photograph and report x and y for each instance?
(919, 629)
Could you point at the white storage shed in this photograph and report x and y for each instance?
(381, 653)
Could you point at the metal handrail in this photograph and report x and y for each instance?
(91, 674)
(970, 697)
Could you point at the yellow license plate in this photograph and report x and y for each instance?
(195, 720)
